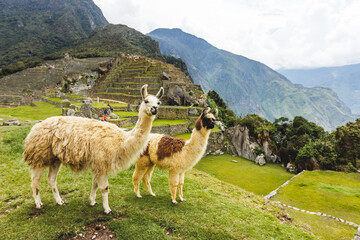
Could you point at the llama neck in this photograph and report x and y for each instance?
(141, 130)
(196, 146)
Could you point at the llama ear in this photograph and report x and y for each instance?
(160, 93)
(206, 110)
(144, 92)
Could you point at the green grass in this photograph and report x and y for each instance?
(74, 96)
(126, 114)
(246, 174)
(23, 113)
(102, 105)
(165, 122)
(55, 99)
(185, 136)
(214, 209)
(333, 193)
(324, 228)
(60, 100)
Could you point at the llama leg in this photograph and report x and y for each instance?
(140, 169)
(180, 187)
(93, 192)
(104, 187)
(174, 182)
(35, 182)
(147, 178)
(53, 172)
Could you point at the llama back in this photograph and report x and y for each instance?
(76, 142)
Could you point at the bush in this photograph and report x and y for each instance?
(258, 150)
(350, 168)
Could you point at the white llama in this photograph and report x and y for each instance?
(87, 143)
(174, 154)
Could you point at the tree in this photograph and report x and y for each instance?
(348, 142)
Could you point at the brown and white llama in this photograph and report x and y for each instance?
(82, 143)
(174, 154)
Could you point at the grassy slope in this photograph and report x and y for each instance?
(214, 210)
(334, 193)
(23, 113)
(266, 179)
(322, 227)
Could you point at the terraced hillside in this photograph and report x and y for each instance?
(30, 84)
(131, 72)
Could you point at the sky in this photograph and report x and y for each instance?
(278, 33)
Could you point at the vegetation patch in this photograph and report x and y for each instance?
(333, 193)
(246, 174)
(324, 228)
(42, 111)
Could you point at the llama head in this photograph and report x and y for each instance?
(206, 119)
(150, 103)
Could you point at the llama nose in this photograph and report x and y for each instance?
(154, 110)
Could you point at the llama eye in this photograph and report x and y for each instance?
(146, 101)
(159, 103)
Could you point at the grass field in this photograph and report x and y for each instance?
(246, 174)
(185, 136)
(165, 122)
(333, 193)
(23, 113)
(324, 228)
(214, 209)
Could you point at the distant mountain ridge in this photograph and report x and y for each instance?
(31, 29)
(249, 86)
(344, 80)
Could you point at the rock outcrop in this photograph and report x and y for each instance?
(240, 139)
(177, 96)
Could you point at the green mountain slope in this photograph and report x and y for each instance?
(344, 80)
(249, 86)
(31, 29)
(112, 39)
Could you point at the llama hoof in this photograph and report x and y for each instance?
(109, 213)
(62, 203)
(182, 199)
(174, 201)
(93, 204)
(139, 196)
(40, 206)
(152, 194)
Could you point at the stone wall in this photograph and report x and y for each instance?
(171, 129)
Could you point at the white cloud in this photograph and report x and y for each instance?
(279, 33)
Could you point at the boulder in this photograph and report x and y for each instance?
(129, 108)
(113, 116)
(12, 122)
(218, 152)
(74, 107)
(177, 96)
(194, 112)
(240, 139)
(164, 76)
(70, 112)
(291, 168)
(88, 111)
(260, 160)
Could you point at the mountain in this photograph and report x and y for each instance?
(344, 80)
(249, 86)
(112, 39)
(31, 29)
